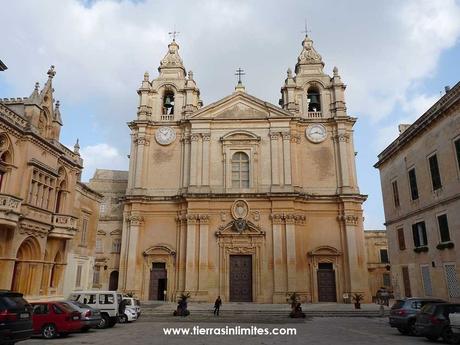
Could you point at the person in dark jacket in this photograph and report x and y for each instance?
(217, 305)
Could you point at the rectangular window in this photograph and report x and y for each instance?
(395, 193)
(84, 230)
(413, 184)
(443, 228)
(386, 279)
(384, 256)
(96, 275)
(401, 240)
(434, 170)
(99, 247)
(406, 281)
(426, 278)
(419, 233)
(457, 151)
(78, 279)
(116, 246)
(452, 281)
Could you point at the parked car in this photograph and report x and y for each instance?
(433, 321)
(15, 318)
(403, 312)
(90, 317)
(128, 315)
(133, 303)
(51, 319)
(107, 302)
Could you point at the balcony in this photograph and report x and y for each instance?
(10, 209)
(64, 226)
(314, 114)
(168, 117)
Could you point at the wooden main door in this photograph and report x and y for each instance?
(240, 278)
(326, 283)
(158, 281)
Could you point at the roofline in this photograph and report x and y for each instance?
(433, 114)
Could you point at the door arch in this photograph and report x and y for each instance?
(24, 272)
(113, 281)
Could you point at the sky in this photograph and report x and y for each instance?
(395, 56)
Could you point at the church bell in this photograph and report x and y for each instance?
(168, 102)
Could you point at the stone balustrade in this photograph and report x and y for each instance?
(64, 226)
(10, 208)
(314, 114)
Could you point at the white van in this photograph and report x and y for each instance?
(107, 302)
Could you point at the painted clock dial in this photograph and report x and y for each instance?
(316, 133)
(165, 135)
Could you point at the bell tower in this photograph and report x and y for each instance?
(311, 93)
(173, 95)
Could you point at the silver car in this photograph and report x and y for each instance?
(90, 317)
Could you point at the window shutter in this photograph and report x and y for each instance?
(415, 235)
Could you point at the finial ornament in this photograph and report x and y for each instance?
(289, 73)
(51, 72)
(146, 76)
(306, 31)
(37, 86)
(174, 33)
(58, 104)
(190, 75)
(76, 147)
(239, 73)
(309, 54)
(335, 71)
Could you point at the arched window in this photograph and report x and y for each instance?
(168, 103)
(240, 170)
(314, 99)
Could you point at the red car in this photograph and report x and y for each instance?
(54, 318)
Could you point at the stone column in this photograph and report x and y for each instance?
(141, 141)
(191, 275)
(291, 253)
(279, 277)
(132, 271)
(274, 157)
(287, 157)
(205, 165)
(194, 159)
(186, 162)
(342, 140)
(203, 267)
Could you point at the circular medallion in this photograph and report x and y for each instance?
(316, 133)
(240, 209)
(165, 135)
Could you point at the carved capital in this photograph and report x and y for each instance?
(135, 220)
(277, 218)
(342, 137)
(206, 136)
(274, 135)
(288, 218)
(195, 137)
(286, 135)
(349, 219)
(142, 141)
(186, 138)
(204, 219)
(296, 138)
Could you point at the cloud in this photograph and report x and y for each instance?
(102, 156)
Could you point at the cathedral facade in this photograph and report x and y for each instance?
(241, 198)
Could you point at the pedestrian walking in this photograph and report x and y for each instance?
(217, 305)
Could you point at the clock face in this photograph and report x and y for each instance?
(316, 133)
(165, 135)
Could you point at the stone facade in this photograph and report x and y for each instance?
(378, 264)
(242, 198)
(41, 199)
(112, 185)
(420, 178)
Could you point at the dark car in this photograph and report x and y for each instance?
(90, 317)
(433, 321)
(403, 312)
(55, 318)
(15, 318)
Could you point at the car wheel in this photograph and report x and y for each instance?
(49, 331)
(448, 336)
(123, 318)
(412, 329)
(104, 323)
(432, 337)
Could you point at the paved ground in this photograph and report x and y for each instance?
(327, 331)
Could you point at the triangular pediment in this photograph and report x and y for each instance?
(240, 105)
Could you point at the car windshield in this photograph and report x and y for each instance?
(398, 304)
(67, 307)
(73, 297)
(13, 301)
(128, 301)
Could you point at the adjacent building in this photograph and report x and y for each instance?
(420, 178)
(242, 198)
(112, 185)
(48, 218)
(378, 263)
